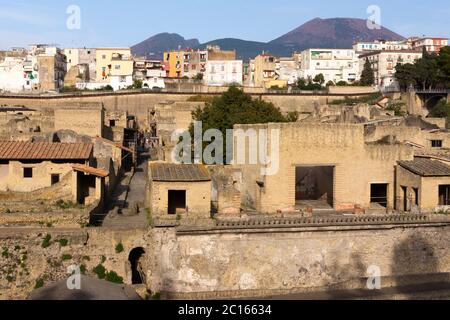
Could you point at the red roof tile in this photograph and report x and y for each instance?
(14, 150)
(90, 170)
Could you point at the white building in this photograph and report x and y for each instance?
(384, 63)
(431, 44)
(223, 72)
(380, 45)
(43, 68)
(335, 64)
(12, 76)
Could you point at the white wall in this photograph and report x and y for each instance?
(223, 72)
(12, 75)
(335, 64)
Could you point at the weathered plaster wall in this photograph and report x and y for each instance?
(230, 263)
(255, 264)
(140, 104)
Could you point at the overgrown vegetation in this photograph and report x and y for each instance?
(39, 283)
(46, 242)
(66, 257)
(66, 205)
(5, 252)
(83, 269)
(63, 242)
(119, 248)
(398, 108)
(113, 277)
(100, 271)
(110, 276)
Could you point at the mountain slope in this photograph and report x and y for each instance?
(244, 49)
(317, 33)
(155, 46)
(333, 33)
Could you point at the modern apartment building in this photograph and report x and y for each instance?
(151, 72)
(40, 68)
(223, 72)
(431, 44)
(115, 67)
(222, 68)
(335, 64)
(384, 63)
(380, 45)
(263, 69)
(186, 62)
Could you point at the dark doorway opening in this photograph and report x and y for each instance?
(137, 262)
(444, 195)
(416, 196)
(314, 185)
(55, 179)
(86, 187)
(405, 198)
(177, 201)
(378, 194)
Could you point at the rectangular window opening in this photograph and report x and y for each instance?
(28, 173)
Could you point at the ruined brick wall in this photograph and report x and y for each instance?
(230, 263)
(141, 104)
(41, 176)
(27, 258)
(356, 164)
(84, 121)
(263, 264)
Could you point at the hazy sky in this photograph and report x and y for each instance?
(124, 23)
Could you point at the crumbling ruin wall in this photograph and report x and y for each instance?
(243, 264)
(197, 263)
(42, 256)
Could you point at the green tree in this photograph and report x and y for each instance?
(443, 62)
(137, 84)
(320, 79)
(427, 72)
(198, 76)
(236, 107)
(367, 75)
(405, 74)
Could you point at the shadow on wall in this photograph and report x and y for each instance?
(414, 259)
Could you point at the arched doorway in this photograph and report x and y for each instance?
(137, 262)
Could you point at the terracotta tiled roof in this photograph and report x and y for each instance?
(179, 172)
(426, 167)
(90, 170)
(14, 150)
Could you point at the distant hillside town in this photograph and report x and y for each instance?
(47, 68)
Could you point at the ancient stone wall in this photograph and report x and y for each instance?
(140, 104)
(235, 258)
(263, 263)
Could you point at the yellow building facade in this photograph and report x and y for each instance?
(113, 62)
(174, 60)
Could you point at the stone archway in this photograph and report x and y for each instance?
(136, 259)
